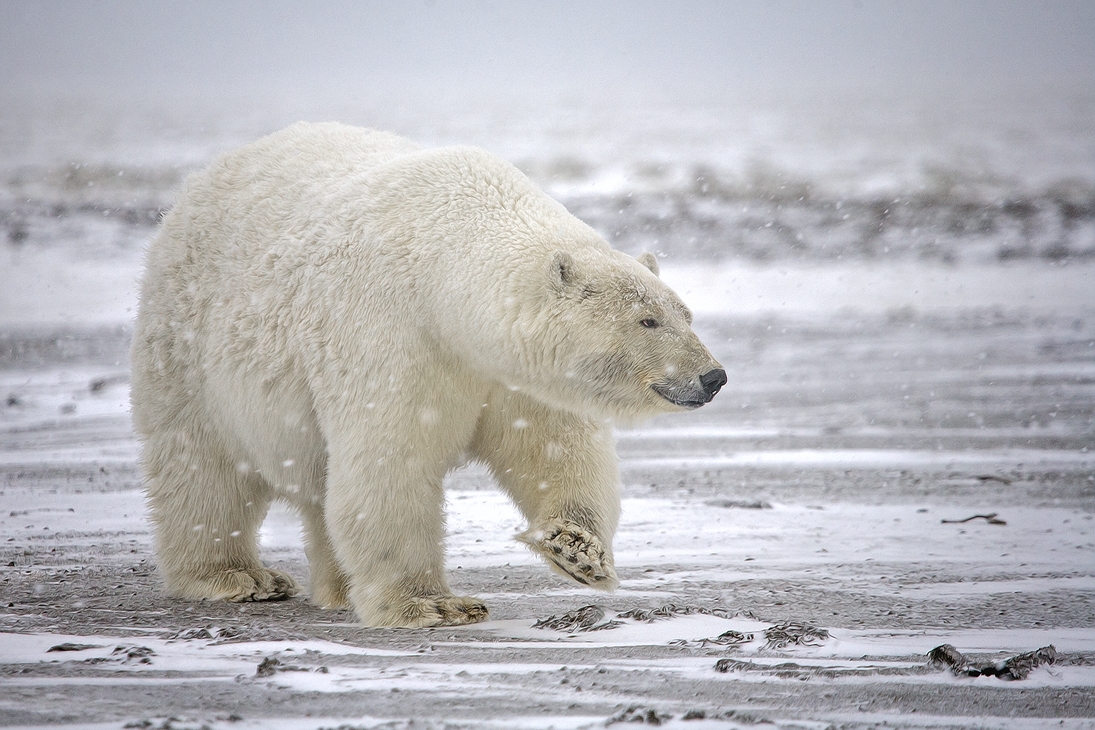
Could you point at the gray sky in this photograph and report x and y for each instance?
(143, 47)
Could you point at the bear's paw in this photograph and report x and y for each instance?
(251, 584)
(573, 551)
(432, 611)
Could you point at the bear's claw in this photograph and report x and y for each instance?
(574, 552)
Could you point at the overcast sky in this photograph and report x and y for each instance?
(141, 46)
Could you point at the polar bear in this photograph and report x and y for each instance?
(337, 317)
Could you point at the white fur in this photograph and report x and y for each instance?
(336, 317)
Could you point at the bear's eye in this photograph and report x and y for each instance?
(649, 323)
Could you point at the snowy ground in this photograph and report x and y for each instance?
(890, 368)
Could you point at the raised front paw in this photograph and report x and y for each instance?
(574, 552)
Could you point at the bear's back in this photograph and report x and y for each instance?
(285, 194)
(324, 150)
(303, 162)
(274, 243)
(245, 232)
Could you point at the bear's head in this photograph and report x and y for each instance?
(621, 341)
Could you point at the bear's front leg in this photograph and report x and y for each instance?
(384, 509)
(561, 471)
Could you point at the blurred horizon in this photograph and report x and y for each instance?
(906, 138)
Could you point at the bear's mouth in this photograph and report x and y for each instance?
(690, 399)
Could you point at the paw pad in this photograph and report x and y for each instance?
(573, 551)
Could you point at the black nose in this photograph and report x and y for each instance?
(713, 381)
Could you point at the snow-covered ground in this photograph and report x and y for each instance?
(904, 299)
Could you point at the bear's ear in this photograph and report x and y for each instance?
(563, 271)
(650, 261)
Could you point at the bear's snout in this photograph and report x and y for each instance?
(713, 381)
(690, 394)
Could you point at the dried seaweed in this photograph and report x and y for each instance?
(726, 638)
(990, 518)
(69, 646)
(640, 714)
(586, 618)
(592, 617)
(669, 610)
(1014, 668)
(782, 635)
(270, 666)
(132, 654)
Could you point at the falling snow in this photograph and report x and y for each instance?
(907, 320)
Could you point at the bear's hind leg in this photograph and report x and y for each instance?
(207, 510)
